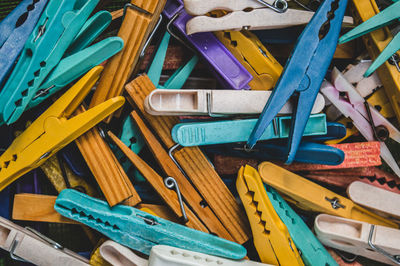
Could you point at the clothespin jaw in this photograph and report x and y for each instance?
(304, 73)
(313, 197)
(53, 130)
(379, 20)
(376, 242)
(140, 230)
(118, 255)
(271, 237)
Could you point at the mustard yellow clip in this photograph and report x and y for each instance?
(253, 55)
(53, 130)
(270, 235)
(312, 197)
(376, 42)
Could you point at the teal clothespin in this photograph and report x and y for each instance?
(231, 131)
(60, 23)
(140, 230)
(382, 19)
(312, 251)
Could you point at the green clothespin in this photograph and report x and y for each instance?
(382, 19)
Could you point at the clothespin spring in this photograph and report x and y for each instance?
(381, 133)
(394, 258)
(335, 202)
(42, 30)
(279, 6)
(395, 60)
(171, 183)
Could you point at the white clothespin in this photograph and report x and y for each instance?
(160, 255)
(371, 124)
(214, 102)
(381, 201)
(375, 242)
(28, 245)
(244, 14)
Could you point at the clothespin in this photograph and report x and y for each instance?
(55, 31)
(15, 30)
(194, 164)
(379, 20)
(227, 69)
(311, 250)
(24, 244)
(140, 230)
(253, 55)
(376, 242)
(258, 18)
(379, 200)
(304, 73)
(53, 130)
(374, 42)
(231, 131)
(214, 102)
(140, 19)
(315, 198)
(270, 235)
(37, 208)
(369, 122)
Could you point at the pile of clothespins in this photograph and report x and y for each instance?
(168, 132)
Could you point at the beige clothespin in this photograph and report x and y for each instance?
(214, 102)
(28, 245)
(376, 242)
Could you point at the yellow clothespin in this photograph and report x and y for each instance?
(312, 197)
(271, 237)
(53, 130)
(253, 55)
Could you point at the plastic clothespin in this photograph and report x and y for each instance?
(60, 22)
(230, 131)
(369, 122)
(214, 102)
(227, 69)
(380, 20)
(24, 244)
(14, 32)
(304, 73)
(313, 197)
(259, 18)
(376, 242)
(161, 255)
(253, 55)
(377, 199)
(53, 130)
(311, 250)
(140, 230)
(270, 235)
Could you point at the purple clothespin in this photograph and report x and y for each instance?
(229, 72)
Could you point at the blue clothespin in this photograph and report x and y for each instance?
(230, 131)
(382, 19)
(59, 24)
(312, 251)
(304, 73)
(14, 32)
(140, 230)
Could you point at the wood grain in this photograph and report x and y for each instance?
(196, 166)
(156, 181)
(37, 208)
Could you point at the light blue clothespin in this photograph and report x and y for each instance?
(59, 24)
(140, 230)
(312, 251)
(382, 19)
(14, 32)
(230, 131)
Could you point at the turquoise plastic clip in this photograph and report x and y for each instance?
(230, 131)
(74, 66)
(312, 251)
(382, 19)
(140, 230)
(59, 24)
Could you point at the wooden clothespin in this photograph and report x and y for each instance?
(195, 165)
